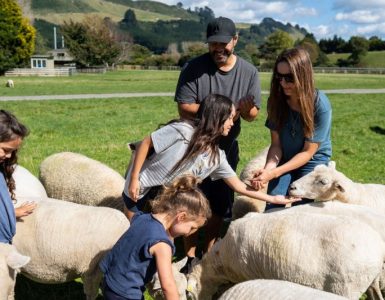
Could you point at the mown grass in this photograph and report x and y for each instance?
(101, 128)
(154, 81)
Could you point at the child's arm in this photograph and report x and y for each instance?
(238, 186)
(140, 157)
(163, 256)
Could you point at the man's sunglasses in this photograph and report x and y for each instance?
(289, 77)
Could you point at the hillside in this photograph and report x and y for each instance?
(156, 26)
(372, 59)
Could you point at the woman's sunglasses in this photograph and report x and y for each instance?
(289, 77)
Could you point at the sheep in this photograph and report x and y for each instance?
(67, 240)
(262, 289)
(155, 290)
(325, 183)
(10, 263)
(10, 83)
(77, 178)
(243, 204)
(27, 186)
(336, 254)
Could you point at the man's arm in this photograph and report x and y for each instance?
(187, 110)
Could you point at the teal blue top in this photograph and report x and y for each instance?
(292, 136)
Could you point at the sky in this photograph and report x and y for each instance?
(323, 18)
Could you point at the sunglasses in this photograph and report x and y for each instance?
(289, 77)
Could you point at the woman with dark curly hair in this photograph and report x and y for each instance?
(12, 133)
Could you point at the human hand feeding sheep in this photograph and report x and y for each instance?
(25, 209)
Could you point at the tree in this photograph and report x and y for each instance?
(91, 42)
(376, 44)
(17, 36)
(359, 47)
(275, 43)
(310, 44)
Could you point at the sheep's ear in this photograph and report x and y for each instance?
(332, 164)
(181, 263)
(339, 187)
(16, 261)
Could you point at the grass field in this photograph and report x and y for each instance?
(101, 128)
(373, 59)
(155, 81)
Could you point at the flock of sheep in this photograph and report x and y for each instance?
(324, 250)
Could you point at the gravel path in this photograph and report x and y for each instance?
(130, 95)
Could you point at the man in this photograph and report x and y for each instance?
(220, 71)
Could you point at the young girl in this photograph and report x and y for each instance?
(183, 147)
(147, 246)
(12, 133)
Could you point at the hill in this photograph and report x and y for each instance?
(372, 59)
(155, 25)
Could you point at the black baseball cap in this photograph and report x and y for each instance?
(220, 30)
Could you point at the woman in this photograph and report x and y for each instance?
(12, 133)
(299, 119)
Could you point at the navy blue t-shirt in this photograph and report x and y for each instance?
(129, 265)
(7, 213)
(292, 136)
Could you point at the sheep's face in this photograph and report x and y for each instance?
(10, 263)
(192, 288)
(155, 289)
(321, 184)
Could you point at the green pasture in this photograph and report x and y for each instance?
(101, 128)
(155, 81)
(373, 59)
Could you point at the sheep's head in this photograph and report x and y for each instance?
(155, 289)
(10, 263)
(324, 183)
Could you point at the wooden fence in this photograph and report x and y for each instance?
(41, 72)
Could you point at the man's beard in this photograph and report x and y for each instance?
(224, 55)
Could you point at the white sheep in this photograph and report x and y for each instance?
(77, 178)
(10, 83)
(10, 263)
(67, 240)
(243, 204)
(325, 183)
(261, 289)
(336, 254)
(27, 186)
(155, 290)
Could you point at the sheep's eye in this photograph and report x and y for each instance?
(324, 181)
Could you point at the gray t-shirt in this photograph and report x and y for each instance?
(170, 143)
(201, 77)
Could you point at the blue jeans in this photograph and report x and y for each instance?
(280, 185)
(109, 294)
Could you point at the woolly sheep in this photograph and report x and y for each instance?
(155, 289)
(10, 263)
(243, 204)
(10, 83)
(77, 178)
(332, 253)
(67, 240)
(261, 289)
(325, 183)
(27, 186)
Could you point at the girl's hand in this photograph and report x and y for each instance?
(264, 176)
(133, 189)
(25, 209)
(280, 199)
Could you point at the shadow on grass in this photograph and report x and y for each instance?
(377, 129)
(27, 289)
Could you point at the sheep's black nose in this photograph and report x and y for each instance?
(292, 187)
